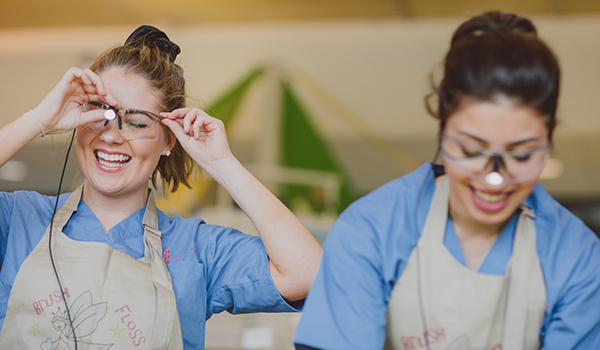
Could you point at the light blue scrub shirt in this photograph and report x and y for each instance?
(370, 243)
(213, 268)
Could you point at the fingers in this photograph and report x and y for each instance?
(177, 130)
(194, 122)
(89, 84)
(95, 115)
(97, 82)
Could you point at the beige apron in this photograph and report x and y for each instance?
(115, 301)
(463, 309)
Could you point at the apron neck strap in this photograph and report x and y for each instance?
(64, 213)
(150, 222)
(437, 216)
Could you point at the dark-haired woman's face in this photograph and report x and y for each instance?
(496, 127)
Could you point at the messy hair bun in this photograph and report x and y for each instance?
(153, 37)
(498, 55)
(493, 22)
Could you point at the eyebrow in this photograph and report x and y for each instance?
(510, 145)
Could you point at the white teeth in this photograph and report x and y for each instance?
(490, 198)
(110, 165)
(106, 159)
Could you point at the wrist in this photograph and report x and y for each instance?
(37, 121)
(223, 168)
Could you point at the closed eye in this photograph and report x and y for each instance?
(133, 125)
(470, 153)
(523, 158)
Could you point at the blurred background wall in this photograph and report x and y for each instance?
(355, 70)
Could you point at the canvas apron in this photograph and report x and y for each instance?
(463, 309)
(115, 301)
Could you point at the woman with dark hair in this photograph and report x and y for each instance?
(474, 254)
(108, 269)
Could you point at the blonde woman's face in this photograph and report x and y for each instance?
(111, 164)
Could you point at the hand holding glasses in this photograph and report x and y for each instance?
(133, 123)
(474, 160)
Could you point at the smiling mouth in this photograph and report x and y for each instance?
(112, 160)
(490, 198)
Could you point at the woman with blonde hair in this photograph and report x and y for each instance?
(110, 270)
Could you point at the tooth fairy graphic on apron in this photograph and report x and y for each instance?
(115, 301)
(438, 303)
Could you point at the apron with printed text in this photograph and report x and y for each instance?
(115, 301)
(437, 303)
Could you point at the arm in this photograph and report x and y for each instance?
(59, 111)
(293, 252)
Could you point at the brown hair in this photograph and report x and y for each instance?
(498, 54)
(167, 79)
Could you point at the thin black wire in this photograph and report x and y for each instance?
(50, 239)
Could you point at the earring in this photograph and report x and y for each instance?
(167, 153)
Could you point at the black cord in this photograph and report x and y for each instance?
(50, 239)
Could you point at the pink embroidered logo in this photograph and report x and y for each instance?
(167, 255)
(432, 336)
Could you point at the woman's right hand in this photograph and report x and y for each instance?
(60, 111)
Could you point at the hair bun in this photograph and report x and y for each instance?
(153, 37)
(494, 21)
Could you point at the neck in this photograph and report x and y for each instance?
(112, 209)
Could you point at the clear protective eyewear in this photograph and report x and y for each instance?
(474, 160)
(133, 123)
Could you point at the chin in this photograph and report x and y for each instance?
(494, 219)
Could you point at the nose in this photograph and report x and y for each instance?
(111, 134)
(494, 178)
(497, 162)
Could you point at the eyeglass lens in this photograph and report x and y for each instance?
(477, 160)
(134, 124)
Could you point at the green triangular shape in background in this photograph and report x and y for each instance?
(226, 105)
(303, 147)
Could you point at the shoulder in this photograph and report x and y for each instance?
(194, 227)
(558, 230)
(30, 204)
(384, 225)
(402, 202)
(569, 251)
(28, 198)
(206, 239)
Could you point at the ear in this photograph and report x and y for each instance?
(171, 140)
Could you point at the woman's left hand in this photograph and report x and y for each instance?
(202, 136)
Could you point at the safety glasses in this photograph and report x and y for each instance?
(133, 123)
(475, 161)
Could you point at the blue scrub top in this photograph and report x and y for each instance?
(213, 268)
(370, 243)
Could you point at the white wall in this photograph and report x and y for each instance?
(378, 69)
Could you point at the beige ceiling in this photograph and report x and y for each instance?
(35, 13)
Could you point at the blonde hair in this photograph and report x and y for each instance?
(167, 79)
